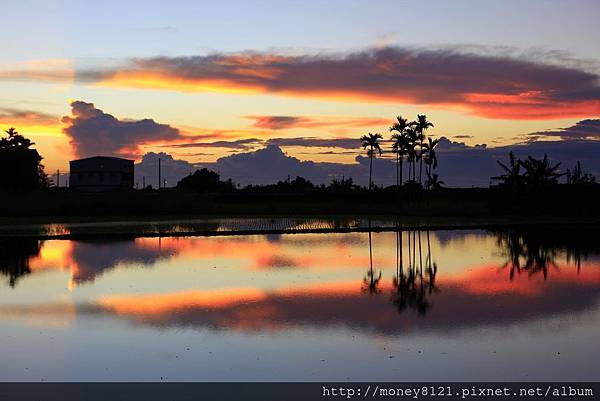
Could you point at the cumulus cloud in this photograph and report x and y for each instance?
(172, 170)
(94, 132)
(460, 165)
(585, 129)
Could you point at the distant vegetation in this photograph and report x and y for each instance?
(20, 166)
(528, 186)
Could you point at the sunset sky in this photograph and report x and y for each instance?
(203, 80)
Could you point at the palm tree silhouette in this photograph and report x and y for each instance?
(371, 141)
(400, 142)
(412, 138)
(433, 181)
(430, 155)
(421, 126)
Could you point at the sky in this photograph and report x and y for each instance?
(203, 81)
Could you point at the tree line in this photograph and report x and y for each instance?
(408, 143)
(21, 167)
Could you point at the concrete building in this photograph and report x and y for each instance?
(101, 173)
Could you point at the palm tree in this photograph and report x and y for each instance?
(512, 176)
(434, 182)
(412, 138)
(371, 141)
(421, 125)
(399, 145)
(430, 155)
(539, 172)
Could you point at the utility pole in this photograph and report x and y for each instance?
(143, 182)
(159, 173)
(57, 178)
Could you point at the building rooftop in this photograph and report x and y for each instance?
(102, 158)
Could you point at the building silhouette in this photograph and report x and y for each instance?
(101, 173)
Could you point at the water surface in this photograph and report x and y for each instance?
(416, 305)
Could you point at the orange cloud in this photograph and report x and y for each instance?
(489, 86)
(27, 118)
(330, 122)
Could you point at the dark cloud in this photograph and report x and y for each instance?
(250, 143)
(241, 144)
(344, 143)
(94, 132)
(494, 86)
(585, 129)
(489, 82)
(275, 122)
(462, 136)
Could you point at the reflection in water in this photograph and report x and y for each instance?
(371, 281)
(93, 257)
(15, 255)
(412, 289)
(447, 288)
(535, 250)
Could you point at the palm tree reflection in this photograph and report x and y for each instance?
(371, 281)
(411, 289)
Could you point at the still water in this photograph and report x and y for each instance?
(416, 305)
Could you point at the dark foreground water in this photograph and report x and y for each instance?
(420, 306)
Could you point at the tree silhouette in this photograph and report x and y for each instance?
(539, 172)
(578, 177)
(512, 172)
(430, 156)
(433, 181)
(371, 141)
(15, 140)
(400, 143)
(20, 166)
(411, 150)
(421, 126)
